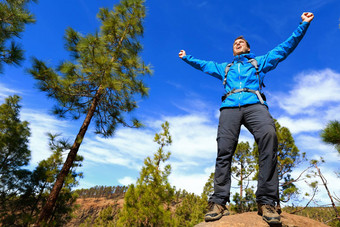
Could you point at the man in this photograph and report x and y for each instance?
(245, 104)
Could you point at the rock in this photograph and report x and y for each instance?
(252, 219)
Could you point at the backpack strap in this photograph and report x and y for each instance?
(260, 96)
(226, 70)
(253, 61)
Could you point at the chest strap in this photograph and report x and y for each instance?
(260, 96)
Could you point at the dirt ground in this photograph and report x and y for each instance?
(251, 219)
(92, 206)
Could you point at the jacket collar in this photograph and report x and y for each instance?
(243, 57)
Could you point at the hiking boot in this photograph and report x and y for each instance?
(215, 212)
(278, 209)
(269, 214)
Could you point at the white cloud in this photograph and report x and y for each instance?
(314, 147)
(332, 113)
(194, 139)
(311, 91)
(5, 91)
(194, 136)
(300, 125)
(127, 148)
(127, 181)
(191, 182)
(40, 124)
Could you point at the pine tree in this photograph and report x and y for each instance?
(243, 166)
(107, 217)
(208, 189)
(14, 152)
(148, 202)
(245, 203)
(14, 15)
(331, 134)
(100, 81)
(191, 210)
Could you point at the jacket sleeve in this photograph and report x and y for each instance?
(279, 53)
(212, 68)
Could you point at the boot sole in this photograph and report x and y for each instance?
(272, 221)
(208, 218)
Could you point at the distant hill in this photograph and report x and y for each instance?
(89, 208)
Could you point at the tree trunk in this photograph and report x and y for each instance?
(329, 194)
(35, 206)
(48, 207)
(241, 182)
(241, 189)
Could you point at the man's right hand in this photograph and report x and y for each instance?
(182, 54)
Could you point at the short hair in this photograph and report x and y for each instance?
(241, 37)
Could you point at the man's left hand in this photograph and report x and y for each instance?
(307, 17)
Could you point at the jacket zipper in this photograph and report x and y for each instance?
(239, 77)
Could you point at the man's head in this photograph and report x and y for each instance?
(241, 46)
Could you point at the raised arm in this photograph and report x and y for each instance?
(272, 58)
(212, 68)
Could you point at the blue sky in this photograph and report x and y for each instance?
(303, 92)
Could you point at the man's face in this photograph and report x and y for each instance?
(240, 47)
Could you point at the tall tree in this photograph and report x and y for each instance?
(100, 81)
(148, 202)
(14, 152)
(243, 164)
(331, 134)
(14, 15)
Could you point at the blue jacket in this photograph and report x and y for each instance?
(242, 74)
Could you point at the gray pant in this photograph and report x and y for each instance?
(257, 119)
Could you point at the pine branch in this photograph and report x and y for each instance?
(311, 199)
(295, 180)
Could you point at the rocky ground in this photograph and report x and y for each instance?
(91, 207)
(251, 219)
